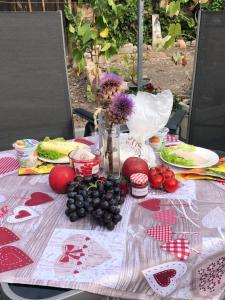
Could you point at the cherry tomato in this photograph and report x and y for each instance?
(156, 181)
(168, 173)
(170, 185)
(152, 172)
(162, 168)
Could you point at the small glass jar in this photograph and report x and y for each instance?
(139, 185)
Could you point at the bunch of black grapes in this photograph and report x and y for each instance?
(99, 198)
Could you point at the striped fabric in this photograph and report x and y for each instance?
(8, 164)
(180, 248)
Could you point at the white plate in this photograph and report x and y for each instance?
(211, 157)
(63, 160)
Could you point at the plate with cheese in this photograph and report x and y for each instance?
(57, 150)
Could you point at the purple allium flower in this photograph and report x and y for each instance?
(122, 105)
(111, 79)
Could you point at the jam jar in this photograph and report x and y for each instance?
(139, 185)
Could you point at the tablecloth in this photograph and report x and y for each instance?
(42, 242)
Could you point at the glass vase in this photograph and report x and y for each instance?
(110, 153)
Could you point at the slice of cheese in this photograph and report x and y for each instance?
(62, 147)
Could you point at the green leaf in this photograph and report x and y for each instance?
(174, 29)
(173, 8)
(87, 36)
(110, 52)
(83, 29)
(77, 55)
(106, 47)
(71, 28)
(81, 65)
(113, 5)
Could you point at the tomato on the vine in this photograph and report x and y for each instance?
(168, 173)
(170, 185)
(152, 172)
(156, 181)
(162, 168)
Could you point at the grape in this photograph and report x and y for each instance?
(110, 225)
(87, 179)
(72, 207)
(81, 212)
(79, 197)
(108, 196)
(95, 177)
(67, 212)
(96, 202)
(101, 202)
(117, 218)
(116, 190)
(110, 178)
(104, 205)
(95, 194)
(74, 217)
(79, 203)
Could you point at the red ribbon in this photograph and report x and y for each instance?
(70, 252)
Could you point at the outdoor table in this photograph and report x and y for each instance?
(40, 248)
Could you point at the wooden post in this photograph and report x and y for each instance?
(156, 30)
(29, 6)
(43, 5)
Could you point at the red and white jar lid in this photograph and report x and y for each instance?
(139, 178)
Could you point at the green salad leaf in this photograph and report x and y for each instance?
(169, 155)
(49, 154)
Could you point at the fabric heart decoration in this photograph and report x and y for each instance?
(180, 248)
(153, 204)
(168, 216)
(163, 278)
(215, 219)
(38, 198)
(8, 165)
(7, 236)
(81, 253)
(209, 277)
(161, 233)
(21, 214)
(12, 258)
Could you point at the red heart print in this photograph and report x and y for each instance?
(22, 214)
(7, 236)
(153, 204)
(38, 198)
(12, 258)
(163, 278)
(8, 164)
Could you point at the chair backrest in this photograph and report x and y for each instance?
(34, 97)
(207, 112)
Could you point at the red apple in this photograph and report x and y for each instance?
(59, 178)
(134, 165)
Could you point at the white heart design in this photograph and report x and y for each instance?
(162, 278)
(21, 214)
(215, 219)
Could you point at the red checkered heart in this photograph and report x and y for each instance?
(180, 248)
(168, 216)
(8, 164)
(161, 233)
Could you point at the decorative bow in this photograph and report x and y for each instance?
(70, 252)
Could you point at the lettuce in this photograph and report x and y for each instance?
(50, 154)
(169, 155)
